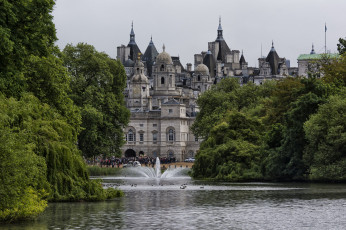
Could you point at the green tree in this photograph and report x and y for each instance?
(285, 142)
(97, 84)
(326, 134)
(26, 29)
(341, 46)
(231, 150)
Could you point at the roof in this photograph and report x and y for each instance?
(150, 56)
(176, 62)
(273, 59)
(242, 60)
(172, 102)
(315, 56)
(223, 50)
(209, 61)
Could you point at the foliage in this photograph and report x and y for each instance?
(231, 150)
(97, 84)
(326, 133)
(23, 183)
(342, 46)
(26, 29)
(274, 113)
(39, 123)
(335, 71)
(102, 171)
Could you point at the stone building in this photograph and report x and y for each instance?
(308, 64)
(161, 96)
(271, 67)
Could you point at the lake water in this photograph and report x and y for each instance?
(166, 204)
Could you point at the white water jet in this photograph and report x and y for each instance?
(155, 172)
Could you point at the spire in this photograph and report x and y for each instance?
(312, 50)
(220, 27)
(219, 31)
(151, 40)
(132, 35)
(163, 47)
(272, 49)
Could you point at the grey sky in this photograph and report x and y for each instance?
(186, 26)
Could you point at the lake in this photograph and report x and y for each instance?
(183, 203)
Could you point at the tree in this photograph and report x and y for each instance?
(341, 46)
(231, 150)
(326, 134)
(26, 29)
(97, 84)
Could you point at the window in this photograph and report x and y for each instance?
(154, 125)
(141, 137)
(162, 80)
(141, 125)
(155, 137)
(130, 136)
(162, 68)
(170, 110)
(196, 138)
(171, 135)
(198, 78)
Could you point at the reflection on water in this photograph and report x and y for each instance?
(164, 204)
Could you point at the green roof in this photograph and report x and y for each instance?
(315, 56)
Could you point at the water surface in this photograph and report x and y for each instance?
(165, 203)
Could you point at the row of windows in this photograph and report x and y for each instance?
(131, 136)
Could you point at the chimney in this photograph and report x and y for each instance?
(189, 67)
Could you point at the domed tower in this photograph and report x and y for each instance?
(138, 88)
(201, 78)
(164, 72)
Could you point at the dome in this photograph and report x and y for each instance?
(139, 64)
(164, 57)
(129, 63)
(139, 78)
(202, 69)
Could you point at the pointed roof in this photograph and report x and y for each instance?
(273, 59)
(242, 59)
(209, 61)
(172, 102)
(134, 50)
(220, 27)
(223, 47)
(312, 50)
(150, 55)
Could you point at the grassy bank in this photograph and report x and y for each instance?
(98, 171)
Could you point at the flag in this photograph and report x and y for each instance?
(325, 27)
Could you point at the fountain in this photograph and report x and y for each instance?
(150, 172)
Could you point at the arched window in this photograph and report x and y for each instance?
(171, 135)
(162, 80)
(162, 68)
(130, 135)
(198, 78)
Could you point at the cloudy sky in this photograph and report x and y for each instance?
(186, 26)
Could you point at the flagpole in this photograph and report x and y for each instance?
(325, 38)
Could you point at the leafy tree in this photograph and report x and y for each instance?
(286, 141)
(231, 150)
(97, 84)
(23, 181)
(341, 46)
(326, 133)
(26, 29)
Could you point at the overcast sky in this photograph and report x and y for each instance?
(186, 26)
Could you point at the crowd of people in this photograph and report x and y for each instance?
(120, 162)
